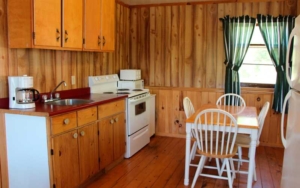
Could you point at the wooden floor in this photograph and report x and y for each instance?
(161, 164)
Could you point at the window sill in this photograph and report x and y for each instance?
(257, 85)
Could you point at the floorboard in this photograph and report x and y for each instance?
(161, 164)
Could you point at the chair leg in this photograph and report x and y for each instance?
(254, 173)
(240, 157)
(232, 168)
(228, 173)
(193, 151)
(199, 170)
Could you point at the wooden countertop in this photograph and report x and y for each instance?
(43, 109)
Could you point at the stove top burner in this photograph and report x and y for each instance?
(123, 93)
(137, 90)
(108, 92)
(123, 89)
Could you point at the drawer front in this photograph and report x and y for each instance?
(87, 115)
(63, 122)
(111, 108)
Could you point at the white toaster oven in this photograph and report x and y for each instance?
(130, 74)
(133, 84)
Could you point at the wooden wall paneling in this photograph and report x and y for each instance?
(97, 64)
(65, 71)
(181, 55)
(188, 47)
(175, 112)
(276, 8)
(255, 8)
(133, 37)
(247, 9)
(298, 7)
(73, 70)
(126, 18)
(167, 40)
(239, 9)
(4, 62)
(175, 47)
(37, 68)
(267, 126)
(263, 8)
(50, 69)
(143, 55)
(220, 54)
(80, 69)
(119, 24)
(290, 7)
(230, 9)
(152, 46)
(163, 118)
(58, 68)
(199, 62)
(211, 44)
(159, 46)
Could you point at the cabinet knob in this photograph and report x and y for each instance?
(66, 121)
(75, 135)
(104, 41)
(57, 35)
(99, 40)
(66, 36)
(112, 121)
(116, 120)
(82, 133)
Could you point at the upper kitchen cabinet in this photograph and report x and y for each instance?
(49, 24)
(99, 28)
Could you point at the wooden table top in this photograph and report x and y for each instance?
(246, 116)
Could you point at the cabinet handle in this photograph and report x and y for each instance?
(75, 135)
(104, 41)
(57, 35)
(111, 121)
(66, 36)
(66, 121)
(99, 40)
(116, 120)
(82, 133)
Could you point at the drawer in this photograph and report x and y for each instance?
(111, 108)
(63, 122)
(87, 115)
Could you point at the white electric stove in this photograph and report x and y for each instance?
(137, 110)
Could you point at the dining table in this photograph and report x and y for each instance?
(247, 121)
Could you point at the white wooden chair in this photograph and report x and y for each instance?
(233, 99)
(224, 127)
(243, 140)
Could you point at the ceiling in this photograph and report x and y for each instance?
(151, 2)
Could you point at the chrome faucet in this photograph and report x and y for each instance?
(52, 92)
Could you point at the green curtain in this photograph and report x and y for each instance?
(275, 32)
(237, 32)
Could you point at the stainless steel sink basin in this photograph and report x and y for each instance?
(69, 102)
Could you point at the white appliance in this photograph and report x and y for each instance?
(21, 92)
(130, 74)
(291, 168)
(132, 84)
(137, 110)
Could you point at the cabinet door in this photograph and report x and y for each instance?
(72, 24)
(88, 151)
(108, 25)
(92, 27)
(119, 136)
(106, 142)
(65, 160)
(47, 23)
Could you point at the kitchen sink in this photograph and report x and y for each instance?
(69, 102)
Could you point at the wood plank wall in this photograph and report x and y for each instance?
(49, 67)
(180, 51)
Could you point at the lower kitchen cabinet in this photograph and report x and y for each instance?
(88, 151)
(65, 160)
(111, 139)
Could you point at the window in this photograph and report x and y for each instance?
(257, 68)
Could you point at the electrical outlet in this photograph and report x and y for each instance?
(73, 80)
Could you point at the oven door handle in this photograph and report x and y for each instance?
(137, 101)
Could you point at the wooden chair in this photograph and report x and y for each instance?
(232, 99)
(243, 140)
(223, 147)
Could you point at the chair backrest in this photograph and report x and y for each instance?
(231, 99)
(188, 107)
(261, 118)
(217, 140)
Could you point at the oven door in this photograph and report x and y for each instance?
(137, 114)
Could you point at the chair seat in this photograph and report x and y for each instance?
(244, 140)
(218, 154)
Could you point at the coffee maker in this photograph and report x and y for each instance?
(21, 92)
